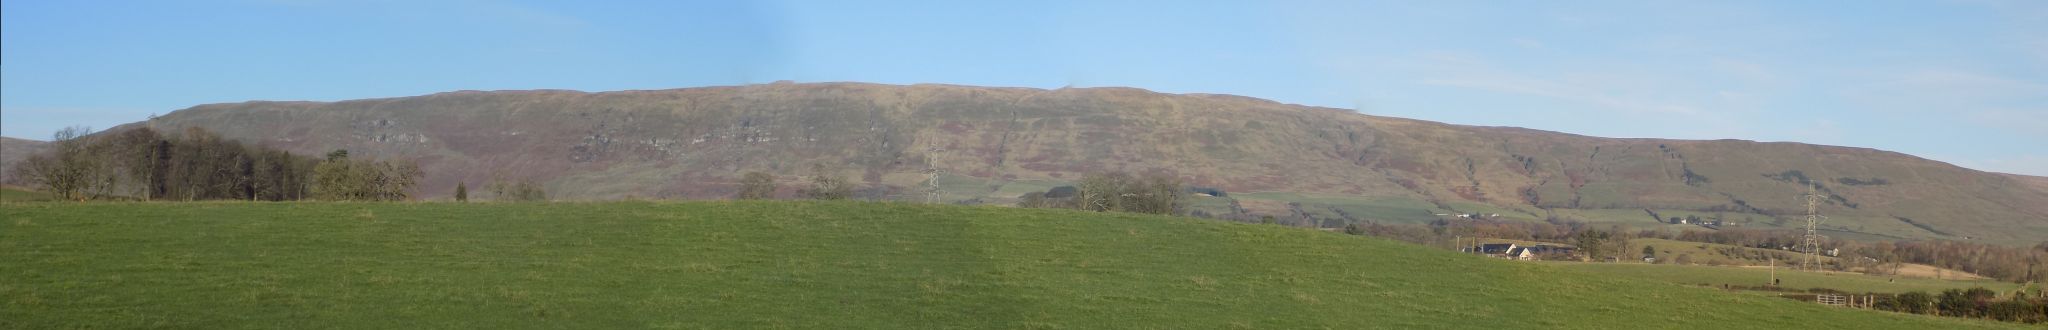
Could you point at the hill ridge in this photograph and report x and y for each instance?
(1000, 141)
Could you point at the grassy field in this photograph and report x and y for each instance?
(723, 265)
(1797, 280)
(1707, 253)
(1380, 209)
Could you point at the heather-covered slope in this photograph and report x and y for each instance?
(1309, 165)
(12, 151)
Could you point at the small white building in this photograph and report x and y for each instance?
(1522, 253)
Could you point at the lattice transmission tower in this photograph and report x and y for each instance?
(932, 156)
(1811, 242)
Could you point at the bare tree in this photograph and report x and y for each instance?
(828, 185)
(68, 170)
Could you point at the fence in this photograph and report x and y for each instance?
(1865, 301)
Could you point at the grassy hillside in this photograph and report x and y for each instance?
(1709, 253)
(793, 265)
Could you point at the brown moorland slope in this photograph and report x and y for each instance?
(12, 151)
(1327, 166)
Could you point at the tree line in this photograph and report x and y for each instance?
(824, 184)
(195, 164)
(2005, 263)
(1115, 191)
(2024, 306)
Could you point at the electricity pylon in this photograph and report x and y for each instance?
(1813, 220)
(932, 172)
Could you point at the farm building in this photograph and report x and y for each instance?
(1521, 252)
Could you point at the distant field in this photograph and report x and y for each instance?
(1381, 209)
(1798, 280)
(10, 194)
(1706, 253)
(725, 265)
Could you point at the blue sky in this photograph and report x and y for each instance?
(1959, 81)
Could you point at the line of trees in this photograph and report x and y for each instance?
(195, 164)
(2024, 307)
(522, 191)
(141, 163)
(1156, 193)
(2006, 263)
(825, 184)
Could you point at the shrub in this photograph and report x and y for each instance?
(757, 185)
(1122, 192)
(1032, 199)
(826, 185)
(523, 191)
(1062, 192)
(1915, 302)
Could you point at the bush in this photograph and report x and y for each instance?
(1886, 304)
(1062, 192)
(1032, 199)
(1915, 302)
(340, 178)
(2010, 310)
(1122, 192)
(757, 185)
(826, 185)
(523, 191)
